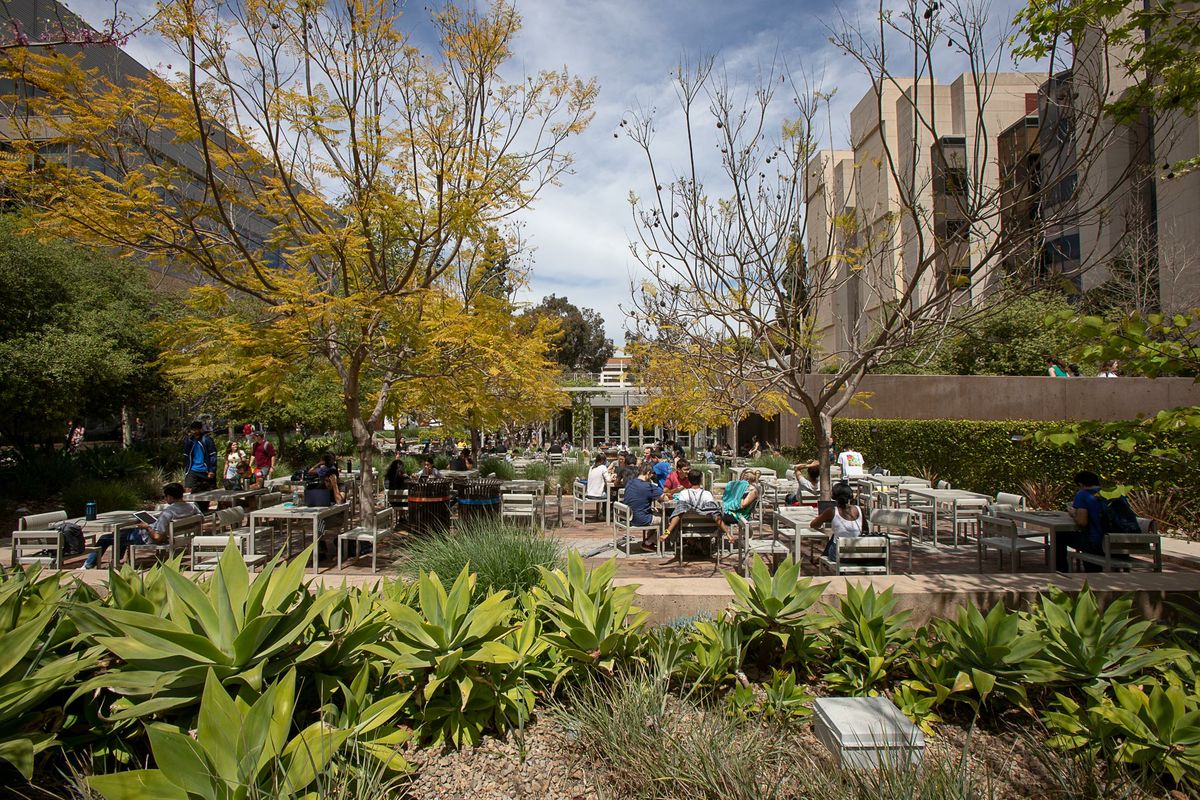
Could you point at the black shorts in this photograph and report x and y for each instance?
(197, 481)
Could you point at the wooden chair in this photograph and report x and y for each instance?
(385, 523)
(623, 524)
(1003, 536)
(207, 551)
(179, 536)
(1126, 552)
(859, 555)
(522, 507)
(900, 523)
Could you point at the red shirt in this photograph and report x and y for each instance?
(263, 453)
(676, 481)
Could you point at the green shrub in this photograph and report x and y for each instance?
(498, 467)
(781, 465)
(112, 463)
(108, 495)
(867, 640)
(537, 471)
(502, 556)
(441, 461)
(569, 472)
(981, 455)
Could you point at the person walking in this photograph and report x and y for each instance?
(200, 459)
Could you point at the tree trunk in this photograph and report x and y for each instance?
(126, 428)
(733, 440)
(366, 486)
(823, 434)
(396, 435)
(476, 443)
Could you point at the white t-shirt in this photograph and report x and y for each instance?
(597, 482)
(851, 462)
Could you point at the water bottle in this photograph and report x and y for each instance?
(297, 497)
(349, 465)
(89, 510)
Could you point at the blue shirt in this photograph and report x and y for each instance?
(1090, 499)
(639, 494)
(198, 462)
(661, 470)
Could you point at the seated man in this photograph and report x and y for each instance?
(640, 494)
(326, 472)
(145, 532)
(428, 470)
(809, 477)
(662, 468)
(696, 500)
(679, 478)
(597, 479)
(852, 463)
(462, 462)
(1087, 508)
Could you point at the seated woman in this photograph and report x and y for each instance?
(845, 520)
(326, 471)
(396, 477)
(739, 500)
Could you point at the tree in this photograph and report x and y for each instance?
(717, 237)
(63, 30)
(582, 345)
(75, 335)
(1155, 45)
(280, 105)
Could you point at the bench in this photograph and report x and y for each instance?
(207, 552)
(37, 540)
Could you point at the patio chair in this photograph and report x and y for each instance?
(229, 523)
(37, 540)
(899, 523)
(179, 537)
(1003, 536)
(771, 544)
(207, 552)
(695, 526)
(385, 523)
(1008, 499)
(1127, 552)
(967, 517)
(859, 555)
(623, 523)
(521, 507)
(581, 503)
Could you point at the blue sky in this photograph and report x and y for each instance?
(580, 231)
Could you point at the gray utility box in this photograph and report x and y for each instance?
(865, 732)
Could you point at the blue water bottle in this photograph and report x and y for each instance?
(89, 510)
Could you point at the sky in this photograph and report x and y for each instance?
(579, 232)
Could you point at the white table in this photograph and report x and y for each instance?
(943, 498)
(313, 514)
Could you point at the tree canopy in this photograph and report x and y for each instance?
(582, 345)
(75, 334)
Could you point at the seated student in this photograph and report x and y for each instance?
(808, 476)
(640, 493)
(428, 470)
(144, 533)
(597, 479)
(396, 477)
(845, 520)
(662, 468)
(462, 462)
(326, 472)
(679, 479)
(740, 498)
(695, 500)
(1087, 508)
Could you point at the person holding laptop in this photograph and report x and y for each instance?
(150, 527)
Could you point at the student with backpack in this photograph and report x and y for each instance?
(1095, 516)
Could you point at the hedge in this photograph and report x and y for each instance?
(980, 455)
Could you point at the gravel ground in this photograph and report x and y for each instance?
(543, 768)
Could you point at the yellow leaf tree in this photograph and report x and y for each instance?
(307, 155)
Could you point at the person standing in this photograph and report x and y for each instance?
(200, 459)
(852, 463)
(263, 456)
(233, 466)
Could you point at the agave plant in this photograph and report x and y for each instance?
(588, 620)
(466, 678)
(243, 631)
(1090, 647)
(866, 638)
(239, 750)
(774, 608)
(36, 661)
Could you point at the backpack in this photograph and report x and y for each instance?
(72, 539)
(1117, 516)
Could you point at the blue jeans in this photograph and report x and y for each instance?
(126, 536)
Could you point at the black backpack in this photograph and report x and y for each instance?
(72, 539)
(1117, 516)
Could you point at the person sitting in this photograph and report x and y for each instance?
(808, 478)
(396, 477)
(597, 479)
(428, 470)
(845, 520)
(756, 448)
(739, 499)
(1087, 509)
(640, 493)
(678, 479)
(326, 472)
(695, 500)
(462, 462)
(144, 533)
(662, 468)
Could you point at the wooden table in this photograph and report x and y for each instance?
(948, 498)
(314, 514)
(1053, 522)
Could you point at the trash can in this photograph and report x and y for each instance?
(429, 505)
(478, 499)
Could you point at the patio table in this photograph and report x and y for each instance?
(1052, 522)
(226, 497)
(802, 532)
(108, 522)
(943, 498)
(314, 514)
